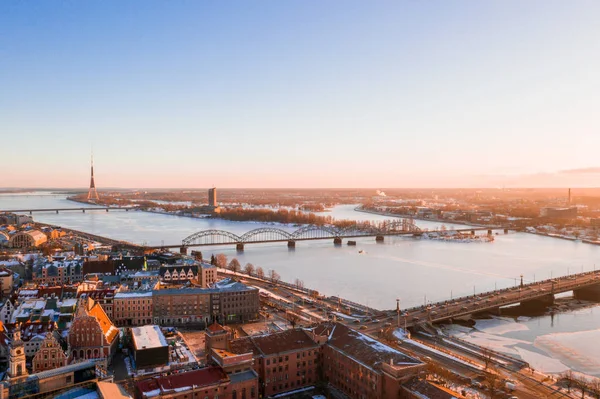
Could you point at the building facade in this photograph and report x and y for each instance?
(92, 335)
(50, 355)
(133, 308)
(58, 272)
(226, 302)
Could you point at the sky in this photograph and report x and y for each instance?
(300, 93)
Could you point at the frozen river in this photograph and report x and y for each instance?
(416, 271)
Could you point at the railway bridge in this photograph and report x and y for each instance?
(397, 227)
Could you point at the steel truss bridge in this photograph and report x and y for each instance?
(305, 233)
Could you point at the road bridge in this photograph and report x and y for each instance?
(57, 210)
(261, 235)
(537, 295)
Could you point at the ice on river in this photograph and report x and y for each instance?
(499, 325)
(580, 349)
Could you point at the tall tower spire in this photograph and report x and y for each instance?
(92, 193)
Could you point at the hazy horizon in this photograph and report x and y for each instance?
(301, 94)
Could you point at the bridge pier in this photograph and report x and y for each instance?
(57, 211)
(472, 232)
(337, 241)
(505, 231)
(489, 232)
(590, 293)
(291, 244)
(83, 210)
(126, 209)
(540, 303)
(239, 247)
(379, 238)
(106, 209)
(183, 250)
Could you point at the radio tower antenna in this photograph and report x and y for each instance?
(92, 193)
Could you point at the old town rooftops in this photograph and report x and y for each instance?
(183, 381)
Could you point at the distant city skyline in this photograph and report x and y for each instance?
(300, 94)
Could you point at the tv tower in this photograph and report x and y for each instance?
(92, 193)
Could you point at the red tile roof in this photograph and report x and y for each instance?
(198, 378)
(215, 328)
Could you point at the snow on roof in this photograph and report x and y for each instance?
(132, 294)
(148, 337)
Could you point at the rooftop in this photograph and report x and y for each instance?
(183, 381)
(365, 350)
(147, 337)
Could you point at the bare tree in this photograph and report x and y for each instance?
(594, 388)
(221, 261)
(493, 382)
(568, 379)
(249, 269)
(292, 318)
(299, 283)
(234, 266)
(260, 273)
(274, 276)
(486, 353)
(582, 384)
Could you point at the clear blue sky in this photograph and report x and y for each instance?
(300, 93)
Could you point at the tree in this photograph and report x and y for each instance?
(274, 276)
(260, 273)
(197, 255)
(582, 384)
(213, 261)
(486, 353)
(299, 283)
(568, 380)
(249, 269)
(235, 266)
(594, 388)
(221, 261)
(493, 382)
(292, 318)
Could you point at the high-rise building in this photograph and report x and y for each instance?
(92, 193)
(212, 197)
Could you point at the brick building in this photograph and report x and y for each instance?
(362, 367)
(284, 361)
(357, 365)
(92, 334)
(133, 308)
(226, 302)
(50, 355)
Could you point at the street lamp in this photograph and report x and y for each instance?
(398, 310)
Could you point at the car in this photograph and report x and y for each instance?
(388, 324)
(363, 327)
